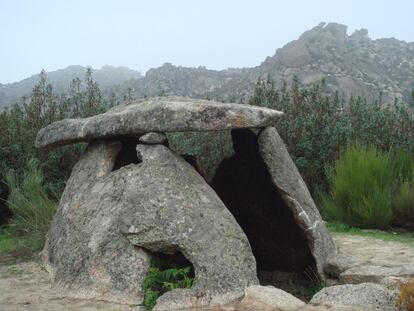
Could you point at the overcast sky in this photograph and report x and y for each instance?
(53, 34)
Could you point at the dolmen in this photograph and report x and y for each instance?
(131, 198)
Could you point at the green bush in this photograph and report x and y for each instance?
(31, 207)
(404, 206)
(361, 189)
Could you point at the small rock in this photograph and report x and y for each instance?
(268, 298)
(366, 296)
(336, 265)
(153, 138)
(374, 274)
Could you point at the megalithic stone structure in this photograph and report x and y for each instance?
(130, 197)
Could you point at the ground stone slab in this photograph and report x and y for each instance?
(109, 223)
(268, 298)
(364, 296)
(374, 274)
(162, 114)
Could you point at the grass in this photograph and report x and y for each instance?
(13, 246)
(376, 234)
(29, 202)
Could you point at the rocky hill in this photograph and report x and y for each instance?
(350, 64)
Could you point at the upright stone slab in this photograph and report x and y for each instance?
(109, 222)
(290, 184)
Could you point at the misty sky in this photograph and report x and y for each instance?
(143, 34)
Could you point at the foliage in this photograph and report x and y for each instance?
(161, 279)
(318, 127)
(31, 207)
(404, 206)
(361, 189)
(210, 148)
(20, 124)
(10, 242)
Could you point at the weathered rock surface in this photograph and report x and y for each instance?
(153, 138)
(268, 298)
(338, 264)
(290, 184)
(365, 296)
(162, 114)
(374, 274)
(108, 223)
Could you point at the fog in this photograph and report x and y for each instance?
(144, 34)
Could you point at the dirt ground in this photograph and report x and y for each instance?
(24, 286)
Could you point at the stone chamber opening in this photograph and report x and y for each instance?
(128, 153)
(246, 188)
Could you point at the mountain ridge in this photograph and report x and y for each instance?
(349, 64)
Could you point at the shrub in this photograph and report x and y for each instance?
(404, 207)
(31, 207)
(361, 187)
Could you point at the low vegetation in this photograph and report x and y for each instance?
(13, 245)
(370, 189)
(29, 203)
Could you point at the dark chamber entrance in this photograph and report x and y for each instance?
(245, 186)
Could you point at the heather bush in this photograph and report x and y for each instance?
(361, 185)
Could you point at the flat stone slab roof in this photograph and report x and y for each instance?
(159, 114)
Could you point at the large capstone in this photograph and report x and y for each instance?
(110, 221)
(162, 114)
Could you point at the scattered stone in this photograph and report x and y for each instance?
(374, 274)
(290, 184)
(338, 264)
(366, 296)
(153, 138)
(160, 114)
(268, 298)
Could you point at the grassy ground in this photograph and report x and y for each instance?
(13, 246)
(404, 237)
